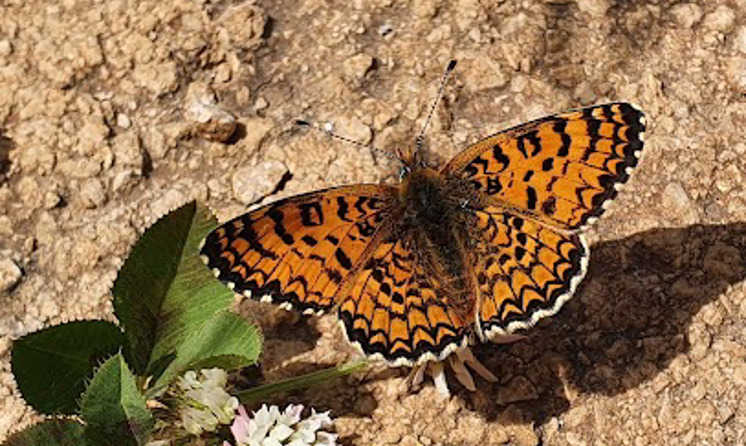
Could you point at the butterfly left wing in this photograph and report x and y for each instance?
(299, 251)
(523, 270)
(398, 310)
(562, 169)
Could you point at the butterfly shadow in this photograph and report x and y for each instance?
(631, 318)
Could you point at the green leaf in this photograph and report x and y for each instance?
(113, 407)
(51, 366)
(261, 393)
(226, 341)
(164, 292)
(53, 432)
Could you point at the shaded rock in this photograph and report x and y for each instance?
(10, 274)
(518, 389)
(209, 121)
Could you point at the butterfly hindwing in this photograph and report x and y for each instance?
(298, 251)
(561, 169)
(524, 270)
(397, 309)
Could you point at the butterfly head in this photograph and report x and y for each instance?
(411, 160)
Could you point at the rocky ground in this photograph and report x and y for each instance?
(112, 112)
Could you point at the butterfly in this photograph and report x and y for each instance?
(479, 248)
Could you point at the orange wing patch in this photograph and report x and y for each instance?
(561, 169)
(396, 311)
(524, 270)
(299, 251)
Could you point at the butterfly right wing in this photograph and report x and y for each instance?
(561, 170)
(298, 251)
(523, 270)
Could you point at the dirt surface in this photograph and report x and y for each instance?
(112, 113)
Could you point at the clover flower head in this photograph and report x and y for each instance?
(205, 402)
(270, 427)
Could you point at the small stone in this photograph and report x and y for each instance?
(737, 73)
(123, 121)
(676, 200)
(6, 48)
(409, 440)
(357, 66)
(481, 73)
(127, 150)
(210, 122)
(169, 201)
(353, 129)
(252, 183)
(92, 193)
(518, 389)
(10, 274)
(159, 78)
(244, 24)
(261, 103)
(425, 9)
(727, 179)
(721, 19)
(219, 128)
(51, 200)
(723, 261)
(256, 131)
(686, 14)
(596, 8)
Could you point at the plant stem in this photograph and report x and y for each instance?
(261, 393)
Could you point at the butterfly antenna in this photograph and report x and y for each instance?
(327, 130)
(446, 74)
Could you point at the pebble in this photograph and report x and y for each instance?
(596, 8)
(686, 14)
(246, 23)
(256, 131)
(357, 66)
(208, 120)
(159, 78)
(127, 150)
(6, 48)
(737, 73)
(10, 274)
(123, 121)
(92, 193)
(721, 19)
(676, 200)
(723, 261)
(483, 73)
(261, 103)
(251, 183)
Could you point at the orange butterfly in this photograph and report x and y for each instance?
(487, 244)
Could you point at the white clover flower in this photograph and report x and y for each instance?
(204, 402)
(270, 427)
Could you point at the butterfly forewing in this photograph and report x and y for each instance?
(299, 251)
(560, 169)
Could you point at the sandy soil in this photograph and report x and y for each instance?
(111, 114)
